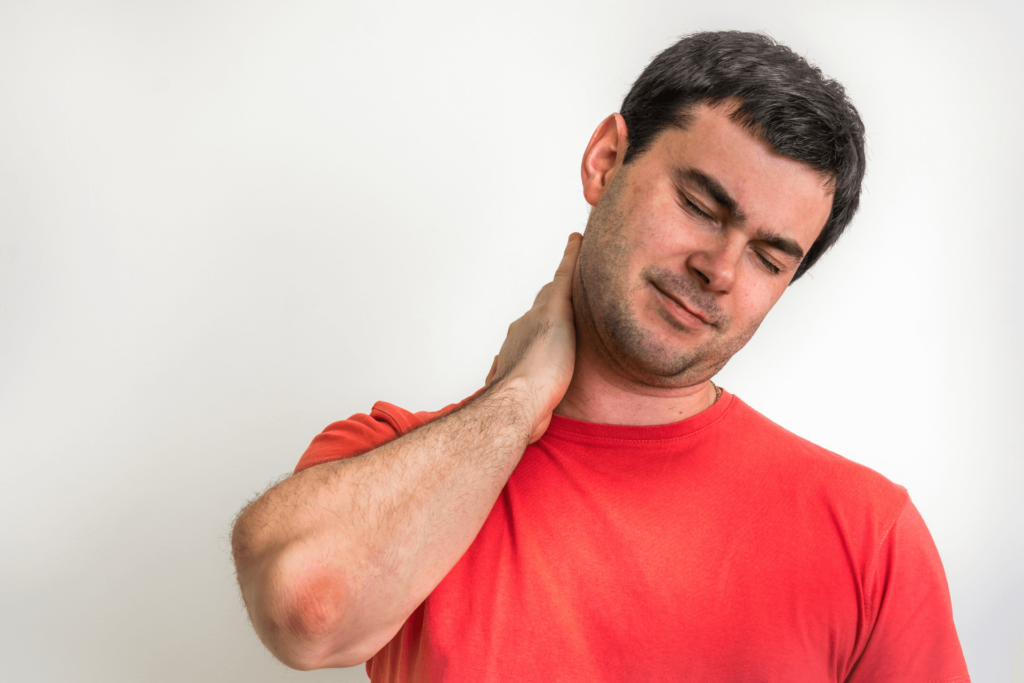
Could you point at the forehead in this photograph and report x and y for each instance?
(775, 192)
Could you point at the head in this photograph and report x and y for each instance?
(781, 98)
(733, 166)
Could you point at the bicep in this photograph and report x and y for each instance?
(913, 637)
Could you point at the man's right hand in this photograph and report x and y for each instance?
(539, 352)
(333, 560)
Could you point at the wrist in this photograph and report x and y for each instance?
(517, 401)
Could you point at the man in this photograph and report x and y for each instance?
(600, 510)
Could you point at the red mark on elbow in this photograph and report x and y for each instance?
(316, 606)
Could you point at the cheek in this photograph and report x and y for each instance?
(609, 246)
(753, 304)
(654, 216)
(654, 236)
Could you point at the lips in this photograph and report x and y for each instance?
(688, 314)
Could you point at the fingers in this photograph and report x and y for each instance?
(490, 374)
(563, 276)
(540, 346)
(572, 250)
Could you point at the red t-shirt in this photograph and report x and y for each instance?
(719, 548)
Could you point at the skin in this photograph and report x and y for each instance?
(658, 240)
(333, 560)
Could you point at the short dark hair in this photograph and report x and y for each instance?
(782, 98)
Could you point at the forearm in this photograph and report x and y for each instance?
(333, 560)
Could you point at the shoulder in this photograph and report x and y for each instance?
(808, 467)
(364, 432)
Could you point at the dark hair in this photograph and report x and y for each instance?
(782, 98)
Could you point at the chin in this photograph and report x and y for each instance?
(660, 355)
(669, 367)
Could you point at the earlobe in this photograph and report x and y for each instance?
(603, 157)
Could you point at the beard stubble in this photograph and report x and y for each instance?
(602, 297)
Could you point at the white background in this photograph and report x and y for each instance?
(224, 225)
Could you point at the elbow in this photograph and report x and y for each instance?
(304, 616)
(312, 622)
(302, 607)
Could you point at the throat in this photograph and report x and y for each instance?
(601, 397)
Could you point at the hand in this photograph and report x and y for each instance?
(540, 349)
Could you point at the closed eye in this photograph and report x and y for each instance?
(772, 268)
(690, 206)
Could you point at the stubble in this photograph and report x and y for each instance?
(604, 295)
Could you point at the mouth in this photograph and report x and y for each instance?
(686, 314)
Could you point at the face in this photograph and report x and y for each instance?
(690, 246)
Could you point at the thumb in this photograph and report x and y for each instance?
(490, 375)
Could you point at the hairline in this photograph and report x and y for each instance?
(736, 110)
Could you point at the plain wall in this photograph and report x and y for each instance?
(224, 225)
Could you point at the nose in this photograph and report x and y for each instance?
(715, 264)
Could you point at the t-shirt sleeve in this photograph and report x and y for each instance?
(348, 438)
(913, 637)
(363, 432)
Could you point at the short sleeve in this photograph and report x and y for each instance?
(913, 637)
(348, 438)
(362, 433)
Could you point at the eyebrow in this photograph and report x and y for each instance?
(787, 245)
(714, 189)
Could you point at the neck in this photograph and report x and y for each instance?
(597, 393)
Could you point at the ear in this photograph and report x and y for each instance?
(603, 157)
